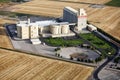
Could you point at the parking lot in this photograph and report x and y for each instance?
(66, 52)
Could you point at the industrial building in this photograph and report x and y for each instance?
(49, 28)
(73, 16)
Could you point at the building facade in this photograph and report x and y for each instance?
(82, 20)
(35, 30)
(23, 32)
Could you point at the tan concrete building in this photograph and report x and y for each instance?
(38, 29)
(33, 32)
(23, 32)
(26, 30)
(82, 20)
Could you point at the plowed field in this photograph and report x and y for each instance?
(19, 66)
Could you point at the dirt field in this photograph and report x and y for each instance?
(19, 66)
(107, 18)
(4, 40)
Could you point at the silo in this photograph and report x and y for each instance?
(19, 31)
(65, 29)
(59, 30)
(33, 31)
(82, 20)
(54, 29)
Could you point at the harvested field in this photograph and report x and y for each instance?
(5, 4)
(49, 8)
(5, 20)
(4, 41)
(107, 18)
(19, 66)
(88, 1)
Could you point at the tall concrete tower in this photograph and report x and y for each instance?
(82, 20)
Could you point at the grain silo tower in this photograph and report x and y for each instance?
(60, 30)
(54, 29)
(65, 29)
(82, 20)
(23, 31)
(33, 29)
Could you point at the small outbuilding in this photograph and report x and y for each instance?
(91, 28)
(35, 41)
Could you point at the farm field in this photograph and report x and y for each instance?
(88, 1)
(5, 20)
(19, 66)
(4, 40)
(107, 18)
(5, 3)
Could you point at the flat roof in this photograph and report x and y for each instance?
(37, 23)
(71, 9)
(41, 23)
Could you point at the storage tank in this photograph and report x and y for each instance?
(65, 29)
(54, 29)
(18, 31)
(59, 30)
(82, 20)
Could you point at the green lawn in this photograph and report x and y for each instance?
(63, 42)
(114, 3)
(99, 43)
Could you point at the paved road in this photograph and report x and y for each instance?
(96, 72)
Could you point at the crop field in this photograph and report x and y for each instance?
(19, 66)
(5, 20)
(4, 40)
(107, 18)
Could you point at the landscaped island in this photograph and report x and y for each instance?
(105, 47)
(63, 42)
